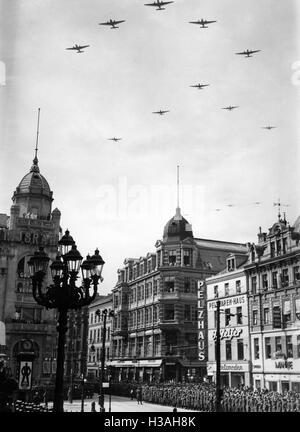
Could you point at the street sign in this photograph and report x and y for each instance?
(105, 384)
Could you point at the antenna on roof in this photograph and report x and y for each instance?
(37, 134)
(177, 186)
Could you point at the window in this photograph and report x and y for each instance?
(215, 316)
(240, 349)
(216, 291)
(266, 315)
(226, 286)
(156, 344)
(116, 299)
(278, 244)
(146, 316)
(268, 347)
(284, 245)
(230, 264)
(238, 287)
(285, 277)
(134, 294)
(187, 257)
(155, 288)
(169, 284)
(272, 249)
(278, 345)
(296, 273)
(21, 268)
(187, 285)
(239, 315)
(147, 346)
(289, 347)
(92, 318)
(274, 280)
(298, 346)
(169, 312)
(254, 317)
(265, 281)
(227, 317)
(187, 312)
(172, 257)
(228, 350)
(256, 348)
(254, 284)
(277, 317)
(286, 311)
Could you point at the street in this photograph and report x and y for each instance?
(118, 404)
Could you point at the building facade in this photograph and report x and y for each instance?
(273, 274)
(230, 288)
(30, 329)
(95, 335)
(155, 332)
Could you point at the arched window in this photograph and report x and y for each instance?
(21, 268)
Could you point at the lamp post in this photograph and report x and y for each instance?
(218, 361)
(83, 381)
(63, 294)
(104, 317)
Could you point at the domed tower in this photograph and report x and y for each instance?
(177, 228)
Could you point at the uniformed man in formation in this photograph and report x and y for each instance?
(202, 397)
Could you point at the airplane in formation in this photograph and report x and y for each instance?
(114, 139)
(203, 23)
(160, 112)
(112, 23)
(79, 48)
(268, 127)
(159, 4)
(199, 86)
(230, 108)
(247, 53)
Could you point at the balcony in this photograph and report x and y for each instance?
(22, 326)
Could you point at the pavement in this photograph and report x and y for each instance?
(118, 404)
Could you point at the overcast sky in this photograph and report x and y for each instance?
(119, 195)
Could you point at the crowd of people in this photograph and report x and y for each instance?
(202, 397)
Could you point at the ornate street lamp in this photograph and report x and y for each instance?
(63, 294)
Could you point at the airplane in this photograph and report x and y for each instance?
(200, 86)
(229, 108)
(247, 53)
(229, 205)
(217, 209)
(112, 23)
(160, 112)
(257, 202)
(202, 22)
(268, 127)
(114, 139)
(78, 48)
(159, 4)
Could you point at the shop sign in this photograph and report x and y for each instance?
(228, 302)
(284, 364)
(228, 333)
(201, 322)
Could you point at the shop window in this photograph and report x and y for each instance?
(273, 386)
(268, 347)
(256, 348)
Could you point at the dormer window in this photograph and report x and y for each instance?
(231, 264)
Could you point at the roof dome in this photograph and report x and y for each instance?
(177, 228)
(34, 182)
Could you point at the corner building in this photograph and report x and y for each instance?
(155, 331)
(30, 329)
(273, 274)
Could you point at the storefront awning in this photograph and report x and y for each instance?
(137, 364)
